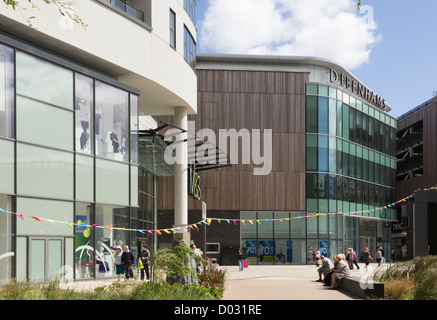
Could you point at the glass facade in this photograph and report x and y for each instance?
(350, 153)
(288, 239)
(350, 168)
(69, 141)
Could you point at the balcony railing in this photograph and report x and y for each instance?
(130, 10)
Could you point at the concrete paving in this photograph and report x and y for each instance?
(281, 282)
(265, 282)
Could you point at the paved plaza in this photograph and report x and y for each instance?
(267, 282)
(282, 282)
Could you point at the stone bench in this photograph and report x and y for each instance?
(362, 287)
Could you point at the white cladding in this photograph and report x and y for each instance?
(117, 45)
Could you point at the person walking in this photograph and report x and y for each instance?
(378, 256)
(350, 258)
(145, 258)
(355, 259)
(366, 257)
(119, 270)
(128, 260)
(241, 259)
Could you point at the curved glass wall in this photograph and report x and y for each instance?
(350, 153)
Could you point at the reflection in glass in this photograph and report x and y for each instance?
(84, 241)
(44, 81)
(111, 126)
(108, 239)
(6, 240)
(6, 92)
(84, 107)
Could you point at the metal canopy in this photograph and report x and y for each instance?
(210, 159)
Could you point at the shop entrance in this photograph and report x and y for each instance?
(370, 242)
(46, 258)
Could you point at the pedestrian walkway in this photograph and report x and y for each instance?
(264, 282)
(282, 282)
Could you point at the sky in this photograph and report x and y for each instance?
(389, 45)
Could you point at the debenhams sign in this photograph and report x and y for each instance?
(358, 88)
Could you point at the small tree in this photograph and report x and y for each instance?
(176, 265)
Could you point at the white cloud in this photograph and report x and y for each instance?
(330, 29)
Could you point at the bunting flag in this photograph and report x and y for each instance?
(208, 221)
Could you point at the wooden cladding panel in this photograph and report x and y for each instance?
(251, 100)
(429, 178)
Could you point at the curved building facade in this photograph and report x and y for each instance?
(332, 160)
(71, 99)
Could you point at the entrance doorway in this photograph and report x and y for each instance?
(370, 242)
(46, 258)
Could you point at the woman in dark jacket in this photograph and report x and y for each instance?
(241, 258)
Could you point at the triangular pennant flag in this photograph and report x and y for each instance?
(36, 218)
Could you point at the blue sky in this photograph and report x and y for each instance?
(401, 65)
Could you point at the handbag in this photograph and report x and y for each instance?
(245, 264)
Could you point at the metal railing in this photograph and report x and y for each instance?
(130, 10)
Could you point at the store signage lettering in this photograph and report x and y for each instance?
(358, 88)
(194, 190)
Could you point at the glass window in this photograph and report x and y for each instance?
(173, 28)
(311, 152)
(332, 92)
(59, 211)
(111, 127)
(43, 124)
(134, 186)
(339, 119)
(189, 46)
(106, 239)
(84, 107)
(332, 155)
(345, 116)
(265, 229)
(352, 123)
(84, 240)
(112, 182)
(332, 117)
(339, 156)
(371, 132)
(323, 115)
(7, 167)
(6, 92)
(84, 178)
(281, 226)
(44, 172)
(297, 226)
(312, 192)
(323, 91)
(134, 127)
(312, 89)
(190, 8)
(44, 81)
(249, 230)
(358, 127)
(323, 159)
(311, 114)
(6, 240)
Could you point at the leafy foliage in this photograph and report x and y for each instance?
(65, 8)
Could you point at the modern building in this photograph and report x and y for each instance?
(72, 100)
(416, 172)
(333, 162)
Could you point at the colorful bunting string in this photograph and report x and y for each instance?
(208, 221)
